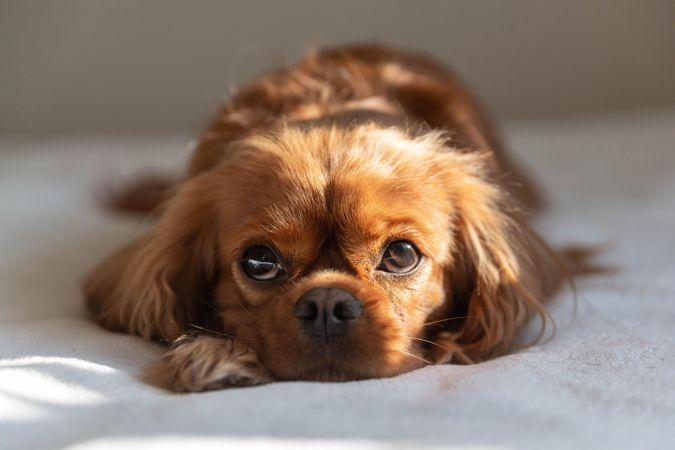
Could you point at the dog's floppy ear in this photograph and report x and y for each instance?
(158, 285)
(500, 271)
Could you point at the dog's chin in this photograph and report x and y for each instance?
(337, 363)
(336, 372)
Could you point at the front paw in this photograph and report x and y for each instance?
(206, 363)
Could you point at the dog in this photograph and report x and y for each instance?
(351, 216)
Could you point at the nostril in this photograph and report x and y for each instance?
(346, 310)
(306, 309)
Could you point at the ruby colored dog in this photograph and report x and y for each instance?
(351, 216)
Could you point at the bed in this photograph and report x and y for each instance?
(606, 379)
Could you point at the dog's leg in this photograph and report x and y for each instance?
(204, 363)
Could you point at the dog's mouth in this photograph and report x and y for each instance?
(332, 371)
(343, 359)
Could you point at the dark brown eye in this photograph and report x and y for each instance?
(399, 257)
(261, 263)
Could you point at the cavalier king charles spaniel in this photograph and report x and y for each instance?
(351, 216)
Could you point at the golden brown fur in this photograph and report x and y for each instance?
(327, 162)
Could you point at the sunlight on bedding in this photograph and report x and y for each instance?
(28, 386)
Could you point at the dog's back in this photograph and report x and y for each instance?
(362, 83)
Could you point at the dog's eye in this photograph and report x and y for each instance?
(399, 257)
(261, 263)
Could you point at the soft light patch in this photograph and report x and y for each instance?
(25, 385)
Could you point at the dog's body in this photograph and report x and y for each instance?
(347, 217)
(363, 84)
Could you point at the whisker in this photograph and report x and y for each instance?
(210, 331)
(246, 309)
(447, 320)
(209, 304)
(414, 356)
(427, 341)
(225, 335)
(251, 327)
(241, 324)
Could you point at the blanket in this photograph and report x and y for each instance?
(605, 379)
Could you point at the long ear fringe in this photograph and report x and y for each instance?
(511, 270)
(152, 287)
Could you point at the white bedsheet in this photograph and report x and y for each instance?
(606, 380)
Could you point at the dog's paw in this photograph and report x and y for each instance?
(205, 363)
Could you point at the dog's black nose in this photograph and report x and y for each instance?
(327, 312)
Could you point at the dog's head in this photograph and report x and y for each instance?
(337, 253)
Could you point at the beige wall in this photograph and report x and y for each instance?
(134, 65)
